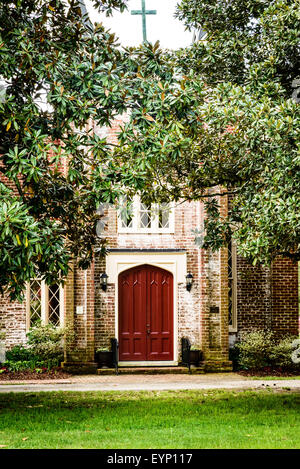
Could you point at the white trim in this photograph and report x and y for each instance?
(136, 229)
(61, 305)
(44, 302)
(233, 327)
(158, 363)
(174, 262)
(27, 306)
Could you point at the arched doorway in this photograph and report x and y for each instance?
(146, 314)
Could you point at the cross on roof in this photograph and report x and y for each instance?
(144, 12)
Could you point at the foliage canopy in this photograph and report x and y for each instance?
(222, 117)
(218, 118)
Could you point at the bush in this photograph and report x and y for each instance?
(46, 341)
(44, 350)
(258, 350)
(281, 355)
(32, 365)
(19, 353)
(254, 350)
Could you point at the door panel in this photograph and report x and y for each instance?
(132, 323)
(146, 314)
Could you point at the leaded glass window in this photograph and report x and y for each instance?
(137, 216)
(44, 303)
(126, 213)
(35, 302)
(164, 216)
(145, 216)
(54, 304)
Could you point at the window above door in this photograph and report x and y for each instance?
(136, 216)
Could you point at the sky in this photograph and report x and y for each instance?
(163, 26)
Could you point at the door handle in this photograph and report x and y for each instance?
(148, 329)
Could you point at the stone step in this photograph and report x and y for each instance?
(150, 370)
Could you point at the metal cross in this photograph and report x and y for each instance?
(144, 12)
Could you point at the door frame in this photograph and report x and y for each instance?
(173, 262)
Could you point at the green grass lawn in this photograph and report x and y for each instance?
(169, 419)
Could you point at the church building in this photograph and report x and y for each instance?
(156, 286)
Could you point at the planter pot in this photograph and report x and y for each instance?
(104, 359)
(194, 356)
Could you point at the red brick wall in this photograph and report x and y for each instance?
(284, 287)
(202, 313)
(253, 296)
(186, 219)
(12, 321)
(268, 297)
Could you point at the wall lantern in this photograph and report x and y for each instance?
(103, 281)
(189, 281)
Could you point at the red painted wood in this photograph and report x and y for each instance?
(146, 314)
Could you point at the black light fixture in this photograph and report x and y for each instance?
(103, 281)
(189, 281)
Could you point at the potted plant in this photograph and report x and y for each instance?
(195, 355)
(104, 357)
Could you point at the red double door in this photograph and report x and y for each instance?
(145, 314)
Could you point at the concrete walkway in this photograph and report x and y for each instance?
(149, 383)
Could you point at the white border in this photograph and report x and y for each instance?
(234, 327)
(174, 262)
(144, 364)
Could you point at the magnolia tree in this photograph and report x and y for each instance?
(222, 118)
(218, 118)
(57, 75)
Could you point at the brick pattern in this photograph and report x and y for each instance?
(214, 299)
(188, 305)
(12, 321)
(253, 296)
(267, 297)
(202, 313)
(284, 295)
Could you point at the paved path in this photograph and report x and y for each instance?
(149, 383)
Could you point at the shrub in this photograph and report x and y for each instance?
(44, 350)
(19, 353)
(46, 341)
(32, 365)
(281, 354)
(258, 350)
(254, 350)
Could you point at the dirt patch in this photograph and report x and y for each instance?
(270, 372)
(33, 375)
